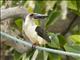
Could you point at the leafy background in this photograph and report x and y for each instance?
(70, 43)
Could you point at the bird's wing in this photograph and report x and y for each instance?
(42, 33)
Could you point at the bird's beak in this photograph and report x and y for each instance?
(39, 16)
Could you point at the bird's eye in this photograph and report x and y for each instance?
(31, 15)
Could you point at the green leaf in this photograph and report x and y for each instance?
(29, 9)
(40, 55)
(52, 18)
(37, 22)
(76, 29)
(1, 2)
(34, 57)
(45, 55)
(54, 41)
(73, 48)
(54, 57)
(18, 22)
(75, 38)
(62, 40)
(40, 7)
(74, 6)
(17, 56)
(78, 5)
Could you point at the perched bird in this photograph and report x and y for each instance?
(35, 33)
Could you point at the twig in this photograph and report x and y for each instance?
(39, 48)
(70, 25)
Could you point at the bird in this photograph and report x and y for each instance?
(35, 33)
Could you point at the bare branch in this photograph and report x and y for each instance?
(14, 11)
(21, 48)
(39, 48)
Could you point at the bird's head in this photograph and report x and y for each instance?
(29, 18)
(35, 16)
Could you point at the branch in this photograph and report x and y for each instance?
(70, 24)
(21, 48)
(14, 11)
(39, 48)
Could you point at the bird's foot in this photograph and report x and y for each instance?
(34, 45)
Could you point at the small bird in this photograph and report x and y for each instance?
(35, 33)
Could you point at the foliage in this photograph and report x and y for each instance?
(57, 41)
(52, 17)
(74, 6)
(75, 38)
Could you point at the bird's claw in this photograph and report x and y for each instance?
(33, 46)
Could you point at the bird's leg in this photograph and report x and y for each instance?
(34, 45)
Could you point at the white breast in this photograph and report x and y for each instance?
(29, 29)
